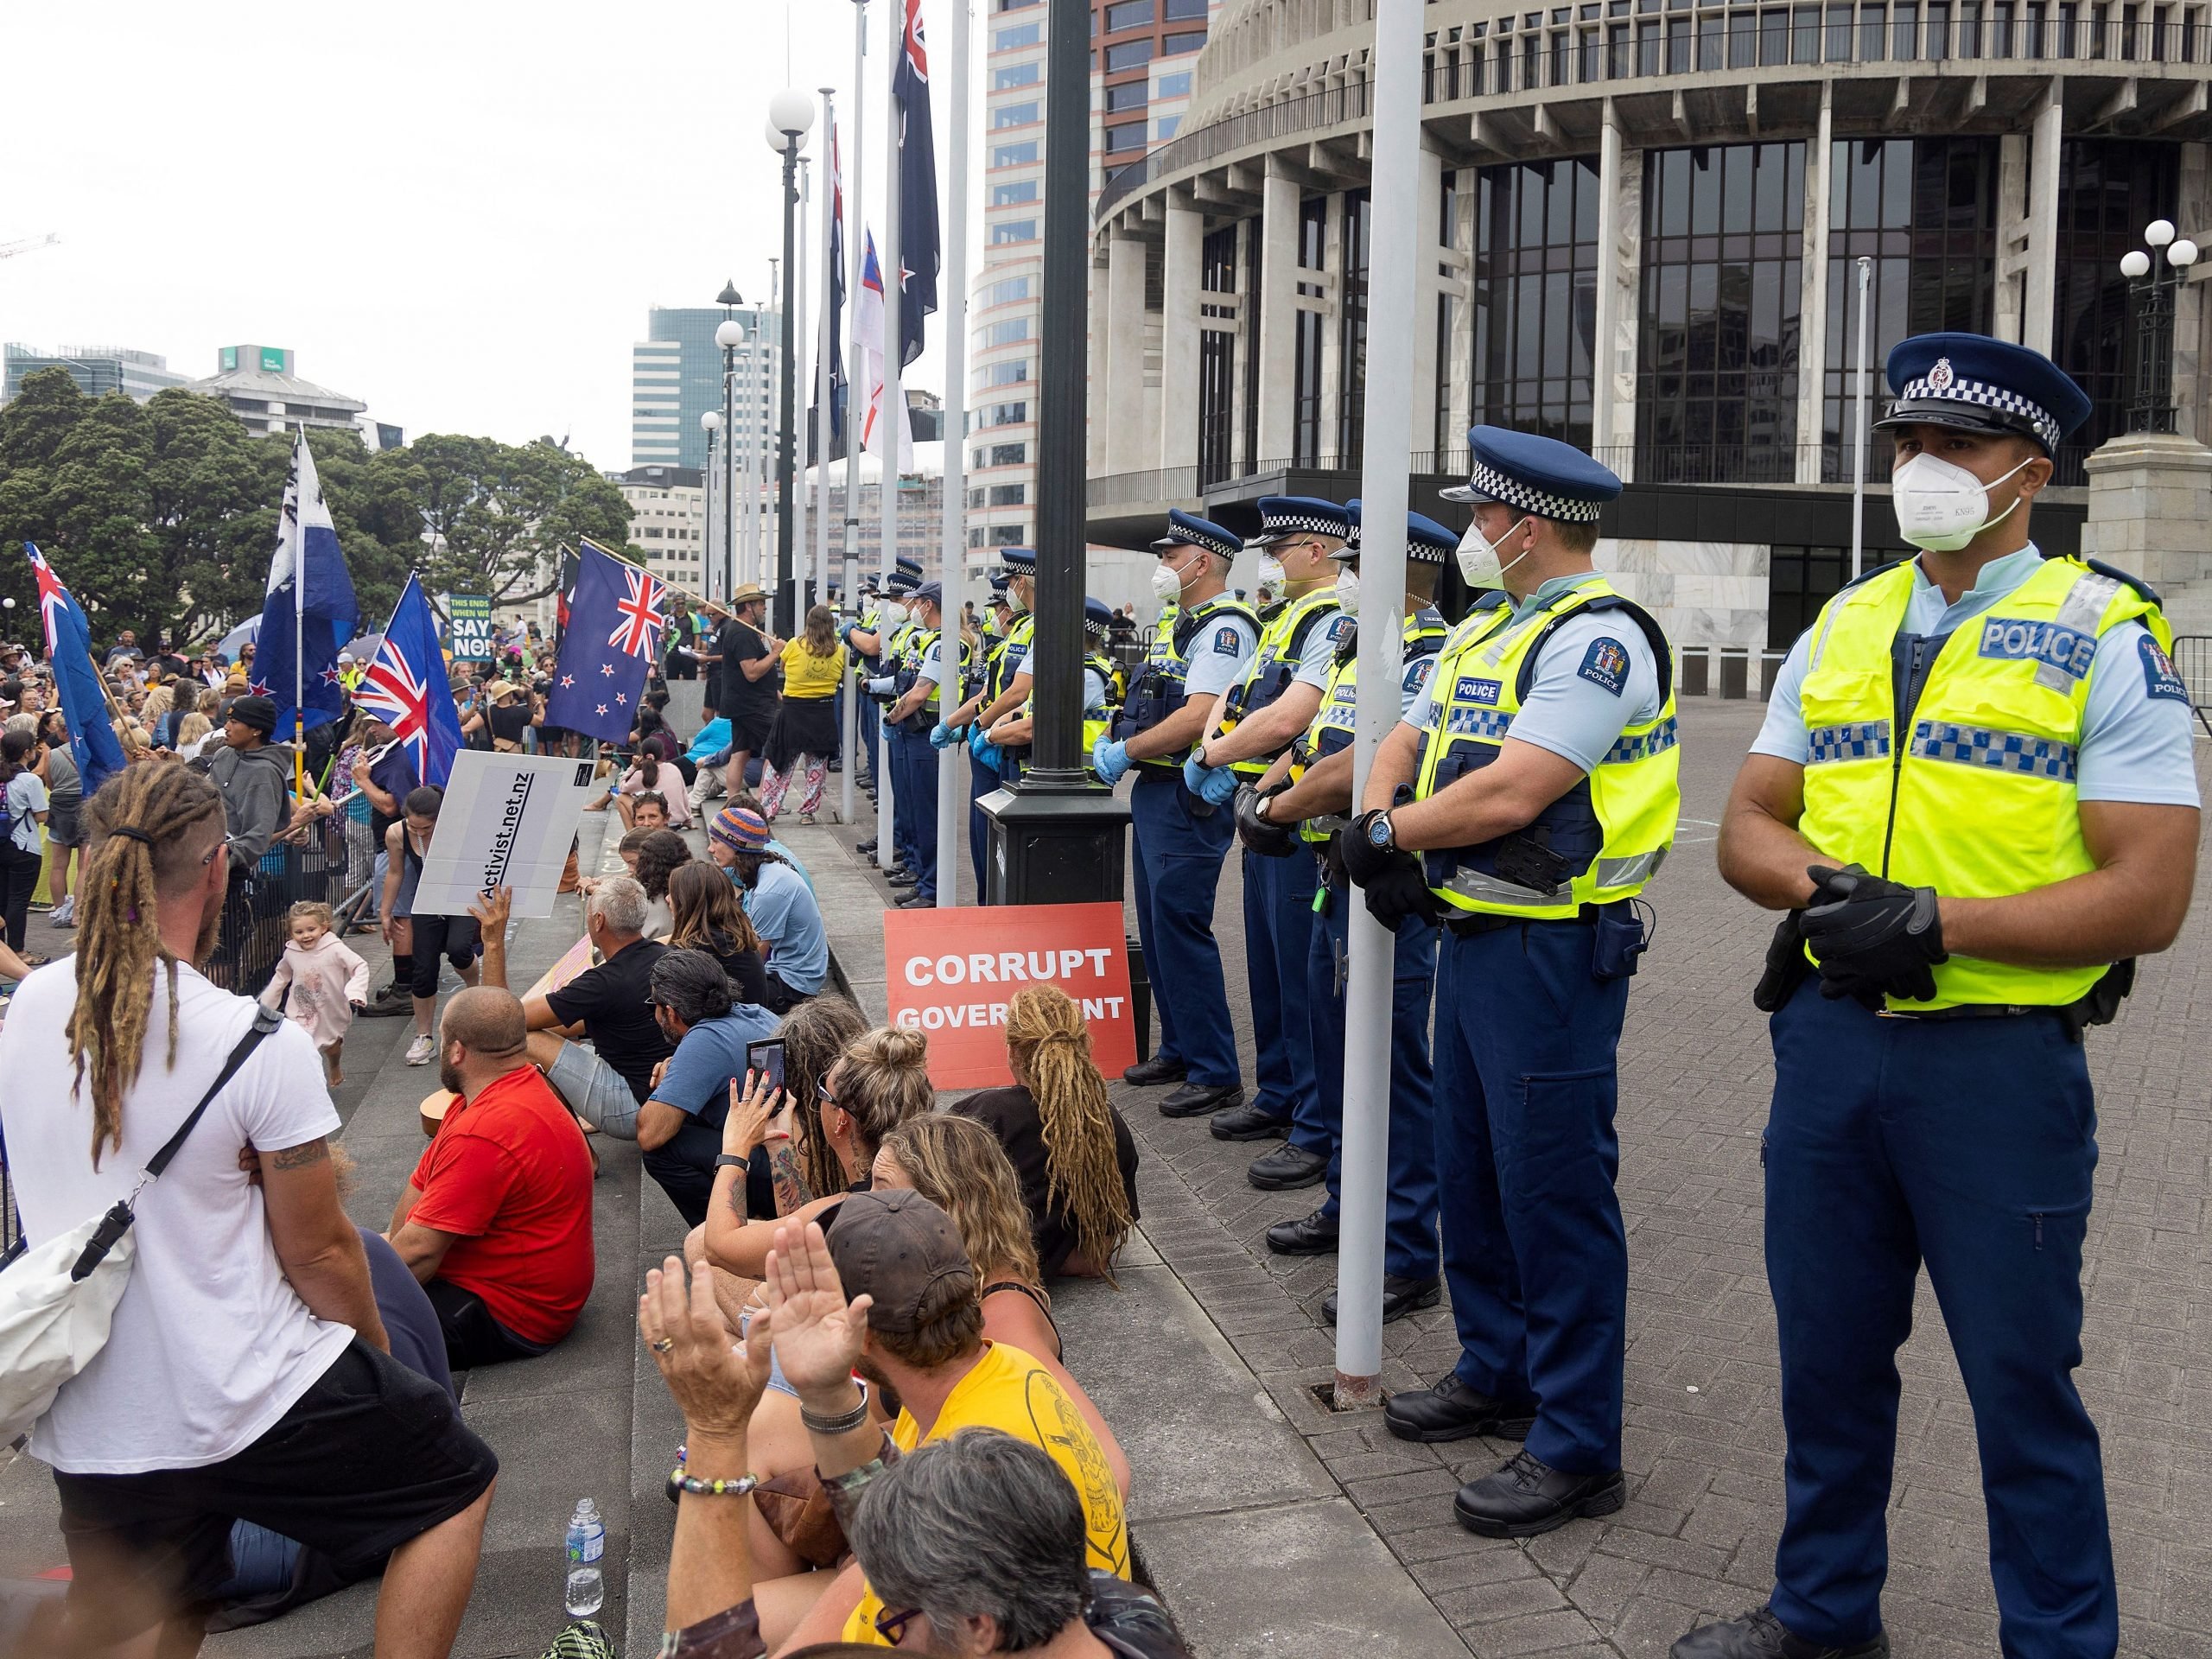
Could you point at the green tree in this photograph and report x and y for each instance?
(72, 479)
(498, 514)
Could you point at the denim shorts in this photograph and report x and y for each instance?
(595, 1091)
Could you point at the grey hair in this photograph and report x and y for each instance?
(691, 983)
(619, 903)
(978, 1522)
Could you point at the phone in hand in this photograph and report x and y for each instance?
(765, 1055)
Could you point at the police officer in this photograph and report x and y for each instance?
(866, 639)
(1181, 838)
(1296, 810)
(994, 695)
(1017, 732)
(1974, 794)
(1525, 801)
(924, 665)
(1257, 719)
(887, 644)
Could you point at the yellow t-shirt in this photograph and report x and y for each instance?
(1009, 1390)
(806, 674)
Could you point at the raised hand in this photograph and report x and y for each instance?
(716, 1383)
(817, 1334)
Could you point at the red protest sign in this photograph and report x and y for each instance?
(950, 973)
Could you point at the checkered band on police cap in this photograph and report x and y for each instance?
(1485, 482)
(902, 582)
(1019, 561)
(1283, 516)
(1943, 384)
(1188, 530)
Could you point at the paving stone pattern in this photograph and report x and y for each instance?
(1703, 1440)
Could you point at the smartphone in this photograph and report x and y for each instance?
(766, 1054)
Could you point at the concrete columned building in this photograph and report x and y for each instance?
(1640, 229)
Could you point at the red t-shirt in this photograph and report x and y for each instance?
(510, 1173)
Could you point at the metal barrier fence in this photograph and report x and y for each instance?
(254, 929)
(2193, 662)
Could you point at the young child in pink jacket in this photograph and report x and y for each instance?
(329, 984)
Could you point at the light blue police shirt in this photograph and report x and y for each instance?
(2137, 742)
(1317, 653)
(1222, 644)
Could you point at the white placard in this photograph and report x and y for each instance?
(507, 820)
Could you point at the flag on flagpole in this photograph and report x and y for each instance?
(405, 687)
(611, 643)
(867, 338)
(837, 391)
(92, 742)
(309, 612)
(919, 236)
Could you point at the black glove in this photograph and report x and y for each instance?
(1786, 966)
(1400, 890)
(1267, 839)
(1363, 859)
(1873, 937)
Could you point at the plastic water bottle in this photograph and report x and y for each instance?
(586, 1543)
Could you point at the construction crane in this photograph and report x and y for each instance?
(29, 243)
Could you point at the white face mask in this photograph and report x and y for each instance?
(1478, 561)
(1348, 592)
(1167, 581)
(1941, 506)
(1271, 573)
(893, 610)
(1017, 602)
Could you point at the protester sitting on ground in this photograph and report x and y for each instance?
(956, 1164)
(252, 775)
(662, 854)
(320, 984)
(1075, 1157)
(649, 774)
(980, 1532)
(680, 1125)
(417, 942)
(750, 802)
(606, 1077)
(627, 849)
(912, 1326)
(707, 915)
(496, 1220)
(649, 812)
(246, 1373)
(781, 907)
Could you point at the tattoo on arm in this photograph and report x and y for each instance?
(300, 1157)
(791, 1188)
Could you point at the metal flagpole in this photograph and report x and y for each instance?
(1859, 460)
(749, 412)
(854, 252)
(791, 572)
(894, 395)
(1387, 446)
(825, 343)
(952, 769)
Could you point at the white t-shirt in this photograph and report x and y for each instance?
(211, 1344)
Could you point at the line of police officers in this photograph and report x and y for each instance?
(1973, 800)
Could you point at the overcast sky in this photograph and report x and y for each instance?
(458, 212)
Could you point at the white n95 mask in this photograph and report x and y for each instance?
(1941, 506)
(893, 610)
(1166, 582)
(1348, 592)
(1478, 558)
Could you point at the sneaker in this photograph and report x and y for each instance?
(65, 913)
(420, 1050)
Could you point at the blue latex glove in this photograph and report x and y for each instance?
(978, 745)
(1220, 785)
(990, 754)
(942, 737)
(1109, 760)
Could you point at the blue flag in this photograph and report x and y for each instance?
(405, 687)
(310, 611)
(92, 742)
(919, 236)
(616, 613)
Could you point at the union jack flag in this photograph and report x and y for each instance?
(637, 630)
(53, 597)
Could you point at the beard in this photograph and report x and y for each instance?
(211, 928)
(449, 1077)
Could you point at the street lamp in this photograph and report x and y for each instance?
(710, 423)
(2153, 281)
(730, 335)
(790, 117)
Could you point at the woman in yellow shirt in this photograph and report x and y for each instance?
(806, 732)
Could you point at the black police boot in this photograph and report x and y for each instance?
(1246, 1123)
(1158, 1069)
(1760, 1635)
(1528, 1496)
(1453, 1411)
(1400, 1297)
(1314, 1235)
(902, 878)
(1286, 1167)
(866, 849)
(1202, 1099)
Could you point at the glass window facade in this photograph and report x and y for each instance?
(1718, 332)
(1306, 389)
(1351, 330)
(2108, 190)
(1534, 297)
(1216, 361)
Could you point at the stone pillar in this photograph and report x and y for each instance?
(1623, 258)
(2012, 234)
(1096, 425)
(1429, 193)
(1459, 371)
(2037, 317)
(2193, 214)
(2147, 491)
(1606, 321)
(1331, 307)
(1178, 336)
(1277, 302)
(1812, 343)
(1125, 355)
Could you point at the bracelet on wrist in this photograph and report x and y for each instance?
(842, 1423)
(679, 1482)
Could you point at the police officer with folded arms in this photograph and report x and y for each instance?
(1524, 803)
(1295, 811)
(926, 665)
(1181, 838)
(877, 641)
(1973, 797)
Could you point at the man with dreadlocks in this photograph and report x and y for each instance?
(264, 1392)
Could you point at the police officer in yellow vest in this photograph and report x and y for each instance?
(1524, 803)
(1018, 731)
(1973, 796)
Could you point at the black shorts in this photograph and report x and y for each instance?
(749, 726)
(370, 1457)
(454, 937)
(473, 1337)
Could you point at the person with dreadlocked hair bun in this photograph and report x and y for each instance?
(1075, 1157)
(265, 1390)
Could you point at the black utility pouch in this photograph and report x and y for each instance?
(1618, 948)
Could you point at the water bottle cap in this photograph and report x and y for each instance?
(584, 1506)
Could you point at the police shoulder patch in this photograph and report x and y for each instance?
(1228, 641)
(1337, 624)
(1605, 664)
(2159, 679)
(1417, 673)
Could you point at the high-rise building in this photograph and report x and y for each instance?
(98, 370)
(676, 376)
(668, 521)
(259, 384)
(1140, 84)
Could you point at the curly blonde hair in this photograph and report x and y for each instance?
(958, 1165)
(1049, 1047)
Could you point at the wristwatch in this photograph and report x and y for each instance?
(1260, 808)
(1380, 835)
(731, 1160)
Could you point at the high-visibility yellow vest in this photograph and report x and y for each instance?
(996, 674)
(1157, 691)
(1609, 832)
(1970, 788)
(1334, 720)
(1274, 665)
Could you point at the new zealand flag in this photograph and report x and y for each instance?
(616, 613)
(405, 687)
(92, 742)
(919, 235)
